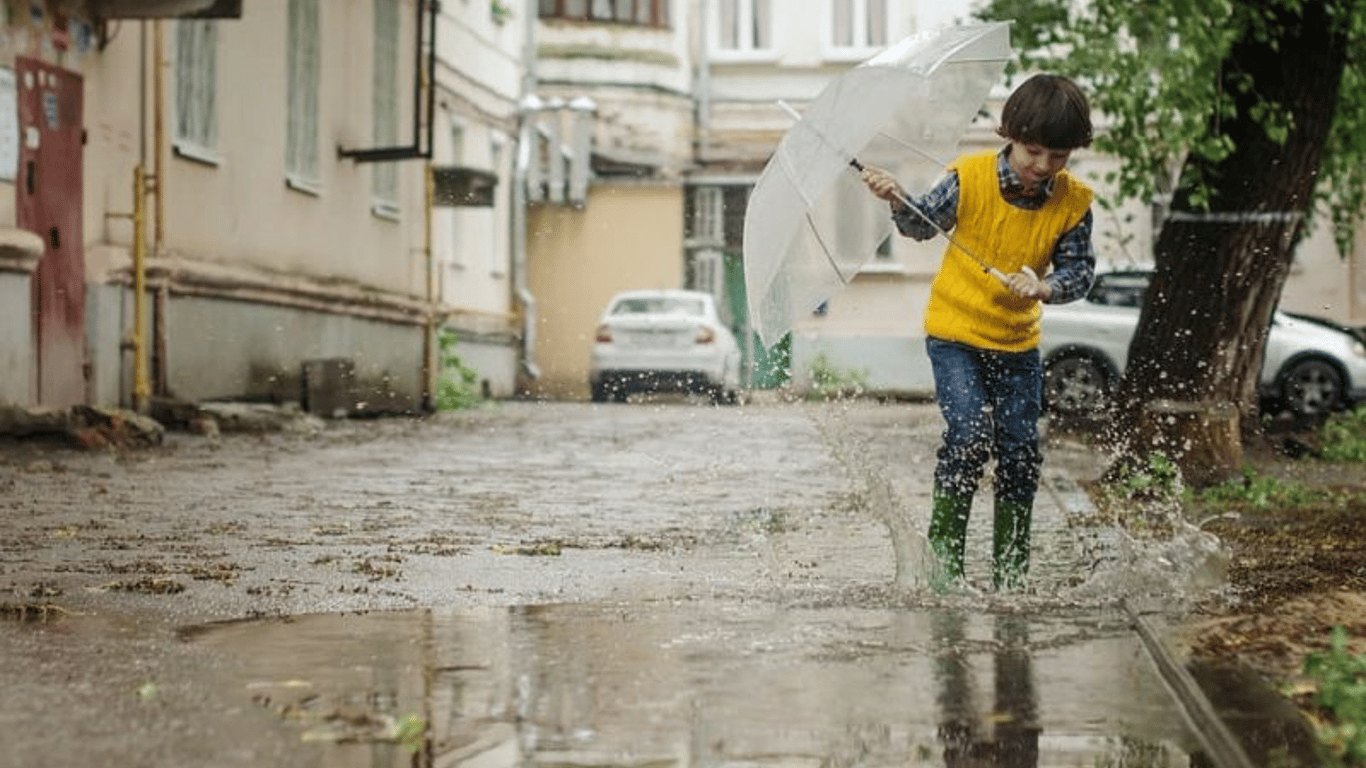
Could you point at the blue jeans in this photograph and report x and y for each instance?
(991, 403)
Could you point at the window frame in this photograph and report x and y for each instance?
(196, 89)
(639, 13)
(303, 160)
(384, 176)
(755, 15)
(861, 43)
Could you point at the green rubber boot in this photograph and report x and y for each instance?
(1010, 543)
(948, 536)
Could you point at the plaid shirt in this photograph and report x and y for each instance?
(1074, 258)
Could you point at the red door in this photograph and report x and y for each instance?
(48, 201)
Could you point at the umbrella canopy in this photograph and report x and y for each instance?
(811, 223)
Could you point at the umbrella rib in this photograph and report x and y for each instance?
(825, 249)
(913, 148)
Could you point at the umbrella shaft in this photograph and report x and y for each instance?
(987, 268)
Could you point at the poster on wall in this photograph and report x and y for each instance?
(9, 126)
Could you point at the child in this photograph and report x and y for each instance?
(1020, 212)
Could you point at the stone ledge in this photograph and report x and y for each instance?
(20, 250)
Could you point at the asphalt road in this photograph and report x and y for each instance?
(128, 574)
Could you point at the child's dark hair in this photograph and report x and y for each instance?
(1048, 110)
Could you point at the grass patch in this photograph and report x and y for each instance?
(457, 387)
(829, 382)
(1341, 700)
(1343, 436)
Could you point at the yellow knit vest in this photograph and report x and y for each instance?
(967, 304)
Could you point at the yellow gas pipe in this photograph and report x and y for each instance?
(142, 389)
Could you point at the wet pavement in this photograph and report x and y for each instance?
(562, 583)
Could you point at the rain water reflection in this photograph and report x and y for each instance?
(682, 684)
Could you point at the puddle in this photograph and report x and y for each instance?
(701, 685)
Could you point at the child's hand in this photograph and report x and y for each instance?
(882, 184)
(1027, 285)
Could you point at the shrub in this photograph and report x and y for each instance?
(457, 385)
(829, 382)
(1341, 679)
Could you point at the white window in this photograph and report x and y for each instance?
(744, 25)
(305, 72)
(709, 216)
(196, 78)
(708, 274)
(858, 24)
(654, 13)
(384, 104)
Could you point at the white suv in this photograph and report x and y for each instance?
(1312, 366)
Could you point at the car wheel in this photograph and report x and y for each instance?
(600, 391)
(1076, 384)
(1311, 387)
(720, 395)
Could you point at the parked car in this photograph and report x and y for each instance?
(1311, 366)
(664, 341)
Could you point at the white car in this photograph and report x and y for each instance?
(1311, 366)
(664, 341)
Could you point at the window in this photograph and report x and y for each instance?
(384, 104)
(744, 25)
(305, 70)
(648, 13)
(708, 224)
(858, 23)
(196, 78)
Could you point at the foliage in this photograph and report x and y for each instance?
(1158, 479)
(1344, 436)
(1341, 679)
(457, 386)
(773, 366)
(499, 11)
(1143, 497)
(829, 382)
(1262, 492)
(1155, 70)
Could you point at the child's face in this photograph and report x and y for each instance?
(1035, 163)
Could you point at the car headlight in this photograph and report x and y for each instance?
(1359, 349)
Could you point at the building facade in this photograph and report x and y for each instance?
(233, 200)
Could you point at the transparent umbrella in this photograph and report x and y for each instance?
(811, 224)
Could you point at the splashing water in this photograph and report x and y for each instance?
(1080, 558)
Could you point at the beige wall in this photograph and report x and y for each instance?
(239, 243)
(628, 236)
(238, 210)
(330, 234)
(1321, 282)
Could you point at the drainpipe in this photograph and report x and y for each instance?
(157, 190)
(527, 107)
(431, 370)
(530, 106)
(702, 116)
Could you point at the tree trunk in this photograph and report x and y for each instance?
(1218, 275)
